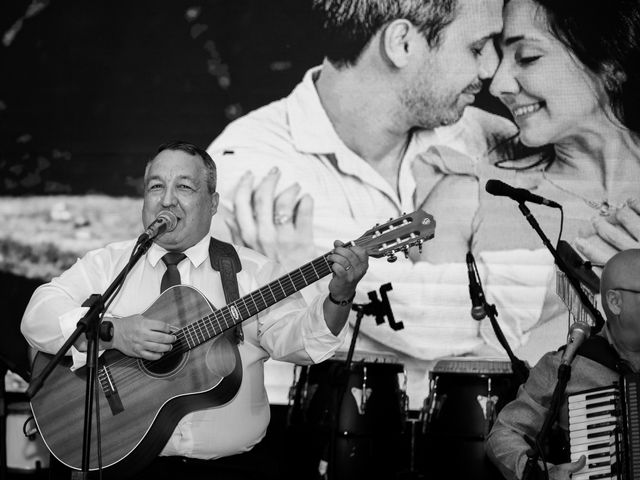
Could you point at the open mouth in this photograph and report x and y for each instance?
(525, 110)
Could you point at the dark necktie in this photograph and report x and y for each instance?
(172, 276)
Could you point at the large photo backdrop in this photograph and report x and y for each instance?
(90, 89)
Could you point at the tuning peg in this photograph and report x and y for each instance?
(405, 249)
(420, 242)
(391, 257)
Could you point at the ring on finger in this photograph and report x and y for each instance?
(281, 218)
(348, 267)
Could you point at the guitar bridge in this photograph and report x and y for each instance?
(110, 391)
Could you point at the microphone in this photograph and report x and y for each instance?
(501, 189)
(475, 291)
(578, 333)
(166, 221)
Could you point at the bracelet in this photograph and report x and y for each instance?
(342, 303)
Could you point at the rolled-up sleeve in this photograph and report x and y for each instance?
(295, 331)
(55, 308)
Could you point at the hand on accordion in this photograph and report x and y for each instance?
(563, 471)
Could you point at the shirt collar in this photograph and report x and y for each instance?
(313, 132)
(196, 254)
(311, 129)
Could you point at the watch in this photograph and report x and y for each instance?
(342, 303)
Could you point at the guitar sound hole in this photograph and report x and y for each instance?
(168, 364)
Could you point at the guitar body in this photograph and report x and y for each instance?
(140, 402)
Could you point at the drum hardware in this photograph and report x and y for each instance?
(488, 405)
(356, 428)
(404, 398)
(361, 395)
(362, 423)
(431, 405)
(293, 390)
(412, 473)
(465, 396)
(300, 393)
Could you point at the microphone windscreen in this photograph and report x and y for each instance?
(497, 187)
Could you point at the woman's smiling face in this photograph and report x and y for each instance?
(550, 94)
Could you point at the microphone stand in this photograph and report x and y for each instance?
(94, 330)
(532, 469)
(375, 308)
(520, 369)
(562, 265)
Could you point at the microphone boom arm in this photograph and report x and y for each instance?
(595, 314)
(520, 369)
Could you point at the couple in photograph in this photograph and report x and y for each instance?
(387, 125)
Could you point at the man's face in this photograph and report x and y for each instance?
(451, 74)
(177, 181)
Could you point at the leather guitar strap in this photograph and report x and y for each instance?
(599, 350)
(224, 259)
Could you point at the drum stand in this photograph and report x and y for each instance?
(379, 309)
(412, 473)
(342, 379)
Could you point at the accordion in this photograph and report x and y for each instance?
(604, 425)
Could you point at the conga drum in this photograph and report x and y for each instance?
(464, 399)
(348, 418)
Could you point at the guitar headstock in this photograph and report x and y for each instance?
(398, 234)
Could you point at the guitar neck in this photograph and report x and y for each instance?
(245, 307)
(394, 236)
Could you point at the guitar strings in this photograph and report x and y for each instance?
(297, 279)
(181, 345)
(183, 342)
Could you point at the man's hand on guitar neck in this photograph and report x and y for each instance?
(349, 264)
(137, 336)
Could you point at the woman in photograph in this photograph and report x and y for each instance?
(569, 74)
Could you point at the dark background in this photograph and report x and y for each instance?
(89, 89)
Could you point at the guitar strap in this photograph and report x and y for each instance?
(598, 349)
(224, 259)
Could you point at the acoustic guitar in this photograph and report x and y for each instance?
(140, 402)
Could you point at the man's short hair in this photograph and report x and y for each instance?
(347, 26)
(192, 149)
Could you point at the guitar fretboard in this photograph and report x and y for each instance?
(239, 310)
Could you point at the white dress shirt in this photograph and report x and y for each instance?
(296, 135)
